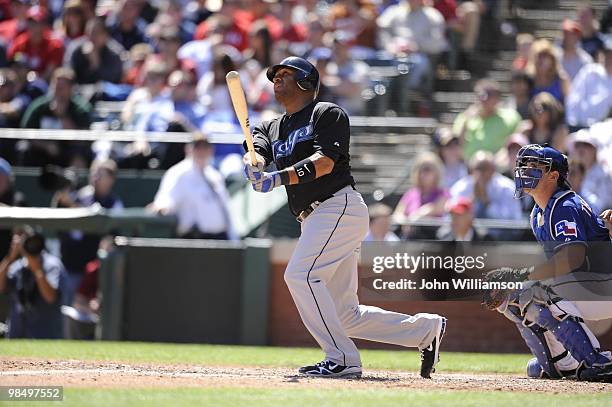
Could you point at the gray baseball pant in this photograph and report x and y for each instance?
(322, 278)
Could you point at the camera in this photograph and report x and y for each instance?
(34, 242)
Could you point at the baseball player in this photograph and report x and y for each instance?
(572, 286)
(309, 146)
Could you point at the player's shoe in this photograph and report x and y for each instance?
(596, 374)
(327, 368)
(430, 356)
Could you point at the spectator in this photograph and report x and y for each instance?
(520, 88)
(8, 197)
(96, 57)
(412, 28)
(427, 196)
(44, 52)
(591, 41)
(195, 192)
(546, 71)
(292, 31)
(597, 183)
(547, 122)
(168, 44)
(257, 59)
(590, 99)
(450, 151)
(576, 178)
(28, 82)
(230, 30)
(491, 193)
(78, 248)
(177, 107)
(462, 223)
(33, 279)
(347, 78)
(60, 108)
(125, 24)
(153, 81)
(524, 42)
(573, 58)
(133, 74)
(380, 224)
(212, 87)
(485, 125)
(12, 103)
(72, 24)
(505, 159)
(197, 11)
(462, 25)
(355, 22)
(170, 15)
(17, 24)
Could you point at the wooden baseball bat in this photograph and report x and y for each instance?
(240, 107)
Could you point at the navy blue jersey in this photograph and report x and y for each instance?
(567, 219)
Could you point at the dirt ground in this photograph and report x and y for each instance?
(77, 373)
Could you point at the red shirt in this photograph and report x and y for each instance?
(89, 284)
(238, 34)
(448, 9)
(9, 29)
(49, 52)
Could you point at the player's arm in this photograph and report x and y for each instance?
(262, 145)
(567, 259)
(309, 169)
(607, 218)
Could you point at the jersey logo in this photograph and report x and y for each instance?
(566, 228)
(285, 148)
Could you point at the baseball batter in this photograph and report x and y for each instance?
(309, 145)
(574, 285)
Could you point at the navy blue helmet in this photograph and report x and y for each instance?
(306, 75)
(528, 176)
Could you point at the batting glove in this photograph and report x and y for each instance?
(253, 173)
(267, 181)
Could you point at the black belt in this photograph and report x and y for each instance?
(313, 205)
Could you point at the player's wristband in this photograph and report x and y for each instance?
(305, 171)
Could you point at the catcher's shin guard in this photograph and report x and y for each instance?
(570, 332)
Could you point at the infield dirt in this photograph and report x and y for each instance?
(77, 373)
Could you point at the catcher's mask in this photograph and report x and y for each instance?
(532, 162)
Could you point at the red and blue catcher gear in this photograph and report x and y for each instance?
(526, 175)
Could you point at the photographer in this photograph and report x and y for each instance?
(32, 278)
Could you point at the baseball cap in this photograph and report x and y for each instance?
(444, 136)
(584, 136)
(460, 205)
(571, 26)
(5, 167)
(200, 140)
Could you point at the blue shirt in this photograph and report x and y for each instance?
(31, 316)
(568, 219)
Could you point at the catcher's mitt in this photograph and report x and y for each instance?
(493, 298)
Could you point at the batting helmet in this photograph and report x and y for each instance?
(306, 75)
(528, 176)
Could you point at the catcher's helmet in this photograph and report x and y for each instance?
(528, 176)
(306, 75)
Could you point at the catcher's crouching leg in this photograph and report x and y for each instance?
(551, 361)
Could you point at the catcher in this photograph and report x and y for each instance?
(569, 288)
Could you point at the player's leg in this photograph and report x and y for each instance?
(329, 235)
(376, 324)
(591, 293)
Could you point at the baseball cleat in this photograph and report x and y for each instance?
(430, 356)
(596, 374)
(327, 368)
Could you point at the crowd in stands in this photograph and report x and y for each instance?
(561, 95)
(167, 62)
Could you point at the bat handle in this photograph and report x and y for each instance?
(253, 157)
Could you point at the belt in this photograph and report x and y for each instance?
(314, 205)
